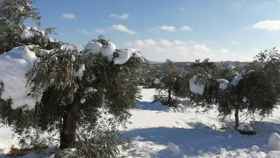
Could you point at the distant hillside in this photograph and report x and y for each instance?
(185, 65)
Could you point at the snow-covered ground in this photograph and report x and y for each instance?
(154, 131)
(158, 132)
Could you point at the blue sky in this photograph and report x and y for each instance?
(181, 30)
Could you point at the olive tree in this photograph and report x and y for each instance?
(72, 87)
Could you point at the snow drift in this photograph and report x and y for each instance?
(196, 86)
(14, 66)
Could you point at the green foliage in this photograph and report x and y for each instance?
(13, 14)
(260, 86)
(17, 11)
(254, 94)
(206, 73)
(269, 60)
(181, 85)
(169, 75)
(167, 83)
(13, 117)
(151, 74)
(73, 86)
(102, 140)
(258, 93)
(205, 69)
(226, 72)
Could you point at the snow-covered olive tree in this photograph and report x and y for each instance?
(202, 84)
(253, 93)
(77, 83)
(259, 87)
(72, 87)
(211, 84)
(253, 89)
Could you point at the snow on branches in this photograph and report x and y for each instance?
(109, 50)
(14, 65)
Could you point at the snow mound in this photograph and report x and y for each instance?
(223, 83)
(80, 72)
(122, 56)
(156, 81)
(274, 142)
(106, 48)
(239, 153)
(147, 94)
(21, 54)
(173, 149)
(196, 86)
(110, 51)
(69, 47)
(31, 32)
(93, 47)
(273, 154)
(245, 127)
(14, 66)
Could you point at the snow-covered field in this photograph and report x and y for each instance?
(155, 131)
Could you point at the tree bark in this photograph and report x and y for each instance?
(69, 126)
(169, 101)
(236, 116)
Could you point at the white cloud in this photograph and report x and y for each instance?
(170, 28)
(69, 16)
(178, 50)
(186, 28)
(268, 25)
(123, 28)
(105, 30)
(123, 16)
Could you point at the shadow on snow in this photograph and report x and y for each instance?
(152, 106)
(202, 139)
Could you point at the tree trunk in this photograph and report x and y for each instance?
(236, 116)
(69, 126)
(169, 101)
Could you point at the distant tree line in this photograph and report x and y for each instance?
(252, 87)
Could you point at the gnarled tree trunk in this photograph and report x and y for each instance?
(236, 117)
(69, 126)
(169, 100)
